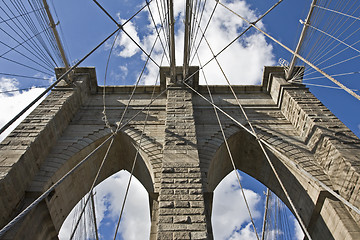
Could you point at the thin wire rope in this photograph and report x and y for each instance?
(298, 56)
(165, 11)
(21, 44)
(325, 45)
(23, 89)
(93, 185)
(117, 129)
(32, 27)
(163, 26)
(289, 162)
(229, 152)
(44, 22)
(22, 28)
(158, 33)
(332, 26)
(56, 82)
(23, 76)
(64, 75)
(20, 7)
(126, 33)
(325, 86)
(85, 159)
(195, 18)
(335, 64)
(94, 215)
(236, 38)
(34, 46)
(137, 82)
(205, 29)
(320, 54)
(23, 55)
(105, 118)
(274, 170)
(27, 66)
(193, 40)
(50, 34)
(68, 53)
(18, 16)
(135, 158)
(263, 230)
(329, 58)
(334, 75)
(317, 19)
(346, 15)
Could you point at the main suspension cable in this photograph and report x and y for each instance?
(297, 55)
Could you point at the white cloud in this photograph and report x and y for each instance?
(108, 199)
(242, 62)
(299, 234)
(230, 212)
(13, 102)
(124, 46)
(244, 233)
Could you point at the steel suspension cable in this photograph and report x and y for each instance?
(31, 25)
(335, 75)
(85, 159)
(265, 214)
(329, 35)
(135, 158)
(195, 33)
(131, 38)
(93, 184)
(23, 89)
(157, 32)
(23, 76)
(34, 29)
(262, 148)
(21, 54)
(27, 66)
(271, 147)
(206, 27)
(56, 82)
(334, 55)
(94, 215)
(344, 14)
(107, 124)
(331, 25)
(163, 20)
(229, 152)
(297, 55)
(325, 86)
(43, 22)
(337, 63)
(21, 15)
(324, 46)
(34, 47)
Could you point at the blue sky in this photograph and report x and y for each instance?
(83, 25)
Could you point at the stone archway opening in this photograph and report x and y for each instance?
(108, 200)
(230, 218)
(249, 158)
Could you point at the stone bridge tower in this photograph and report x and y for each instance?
(182, 156)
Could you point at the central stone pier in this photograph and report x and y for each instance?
(182, 210)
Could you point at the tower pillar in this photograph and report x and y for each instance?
(182, 210)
